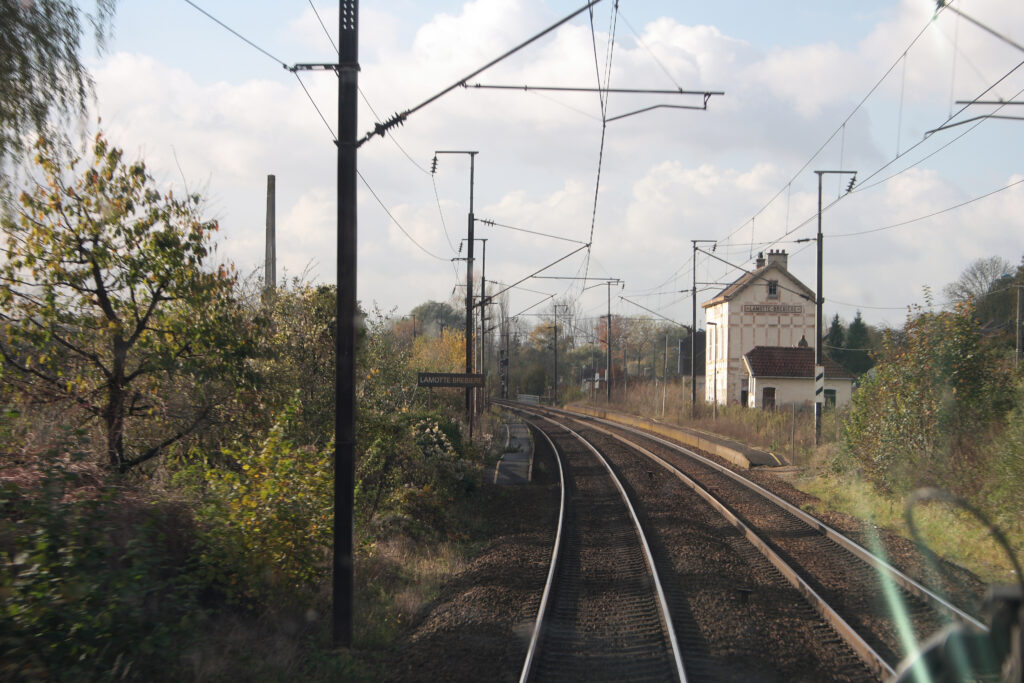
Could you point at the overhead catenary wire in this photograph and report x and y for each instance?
(495, 224)
(326, 32)
(399, 118)
(268, 54)
(537, 272)
(846, 120)
(585, 267)
(395, 221)
(394, 140)
(313, 102)
(440, 211)
(865, 185)
(235, 33)
(649, 51)
(930, 215)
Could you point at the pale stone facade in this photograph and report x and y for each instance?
(766, 307)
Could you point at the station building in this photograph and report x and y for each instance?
(757, 350)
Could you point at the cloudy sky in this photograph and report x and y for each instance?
(808, 86)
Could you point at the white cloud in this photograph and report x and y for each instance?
(667, 176)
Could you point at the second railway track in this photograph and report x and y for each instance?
(736, 616)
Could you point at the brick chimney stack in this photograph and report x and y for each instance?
(759, 264)
(778, 256)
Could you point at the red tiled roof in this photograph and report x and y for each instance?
(790, 361)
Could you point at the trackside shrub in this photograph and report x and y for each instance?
(408, 473)
(267, 516)
(91, 589)
(934, 396)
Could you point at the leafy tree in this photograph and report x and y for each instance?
(296, 353)
(41, 75)
(856, 354)
(106, 304)
(433, 316)
(444, 353)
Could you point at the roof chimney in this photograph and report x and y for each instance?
(778, 256)
(760, 261)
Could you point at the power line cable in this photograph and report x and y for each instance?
(537, 93)
(536, 272)
(313, 102)
(649, 51)
(604, 127)
(930, 215)
(393, 138)
(856, 108)
(597, 67)
(495, 224)
(395, 221)
(260, 49)
(235, 33)
(433, 181)
(440, 211)
(865, 186)
(326, 32)
(399, 118)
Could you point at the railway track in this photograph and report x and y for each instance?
(603, 614)
(851, 601)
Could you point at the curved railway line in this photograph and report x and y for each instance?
(750, 583)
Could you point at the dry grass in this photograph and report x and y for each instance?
(787, 431)
(949, 532)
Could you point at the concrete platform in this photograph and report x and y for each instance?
(516, 465)
(735, 452)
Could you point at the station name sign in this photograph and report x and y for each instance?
(772, 308)
(449, 379)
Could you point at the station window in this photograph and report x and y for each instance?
(830, 399)
(773, 289)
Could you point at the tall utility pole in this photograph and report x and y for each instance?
(664, 377)
(483, 324)
(608, 348)
(819, 373)
(347, 69)
(554, 400)
(469, 282)
(270, 261)
(345, 378)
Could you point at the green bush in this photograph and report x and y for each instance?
(408, 472)
(90, 589)
(923, 415)
(266, 517)
(1008, 467)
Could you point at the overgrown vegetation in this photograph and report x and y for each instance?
(179, 523)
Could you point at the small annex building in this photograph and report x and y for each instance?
(766, 307)
(779, 375)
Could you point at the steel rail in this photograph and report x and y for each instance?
(856, 549)
(649, 556)
(875, 662)
(542, 610)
